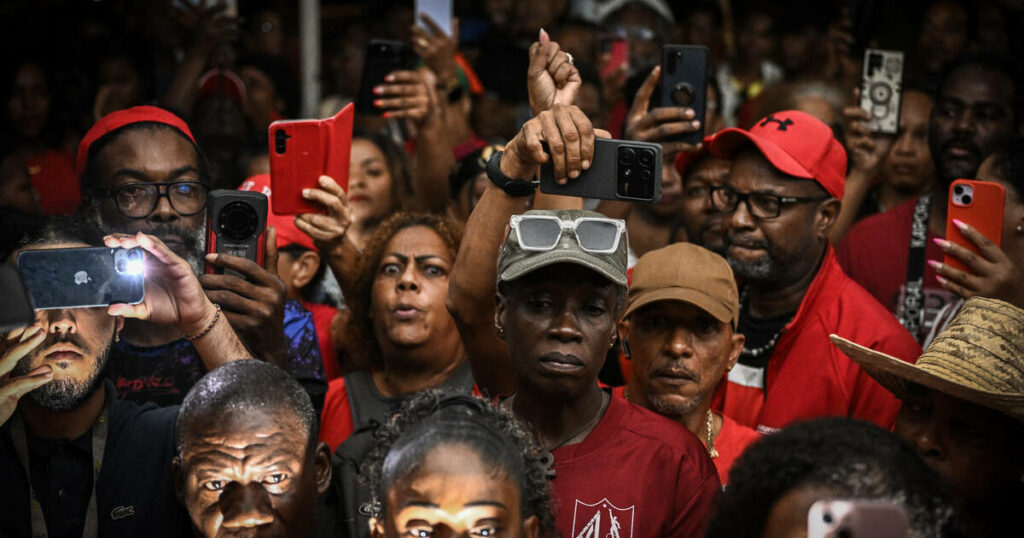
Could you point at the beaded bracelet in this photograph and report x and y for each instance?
(208, 327)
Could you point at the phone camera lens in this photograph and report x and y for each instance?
(844, 533)
(280, 141)
(627, 156)
(682, 94)
(827, 517)
(646, 174)
(966, 199)
(121, 266)
(238, 221)
(646, 157)
(959, 189)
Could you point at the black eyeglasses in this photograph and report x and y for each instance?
(139, 200)
(760, 204)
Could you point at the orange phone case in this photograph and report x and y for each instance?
(303, 150)
(984, 213)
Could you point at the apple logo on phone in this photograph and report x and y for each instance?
(81, 277)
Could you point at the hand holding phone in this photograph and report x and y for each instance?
(624, 170)
(684, 83)
(989, 271)
(302, 151)
(661, 124)
(979, 204)
(382, 58)
(173, 293)
(562, 136)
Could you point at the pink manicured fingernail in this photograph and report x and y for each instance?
(390, 78)
(377, 102)
(935, 264)
(385, 115)
(943, 244)
(940, 279)
(378, 90)
(960, 224)
(305, 193)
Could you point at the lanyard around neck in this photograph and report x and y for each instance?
(912, 307)
(99, 445)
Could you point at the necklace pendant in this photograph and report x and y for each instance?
(713, 453)
(547, 459)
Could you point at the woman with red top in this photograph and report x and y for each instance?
(399, 325)
(29, 121)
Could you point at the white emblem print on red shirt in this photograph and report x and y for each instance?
(602, 520)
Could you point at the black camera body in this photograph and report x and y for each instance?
(236, 223)
(621, 170)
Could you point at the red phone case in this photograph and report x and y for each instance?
(313, 148)
(984, 213)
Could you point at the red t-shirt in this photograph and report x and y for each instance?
(874, 254)
(807, 376)
(637, 475)
(732, 440)
(336, 418)
(53, 176)
(323, 319)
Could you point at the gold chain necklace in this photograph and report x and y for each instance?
(710, 423)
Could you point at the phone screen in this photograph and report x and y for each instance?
(439, 10)
(83, 277)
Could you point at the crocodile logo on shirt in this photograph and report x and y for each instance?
(122, 512)
(602, 520)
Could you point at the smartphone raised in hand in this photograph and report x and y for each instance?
(980, 204)
(303, 150)
(83, 277)
(624, 170)
(684, 82)
(881, 89)
(382, 57)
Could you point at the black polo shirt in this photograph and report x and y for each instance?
(135, 494)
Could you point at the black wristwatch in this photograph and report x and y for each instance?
(513, 187)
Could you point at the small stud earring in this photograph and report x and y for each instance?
(117, 337)
(501, 331)
(1020, 228)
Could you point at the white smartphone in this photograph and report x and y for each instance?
(439, 10)
(857, 519)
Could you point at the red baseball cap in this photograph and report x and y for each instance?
(796, 143)
(116, 120)
(686, 158)
(287, 232)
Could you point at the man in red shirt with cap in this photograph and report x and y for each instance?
(780, 199)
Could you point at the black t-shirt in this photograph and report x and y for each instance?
(135, 494)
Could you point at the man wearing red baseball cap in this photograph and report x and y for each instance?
(780, 199)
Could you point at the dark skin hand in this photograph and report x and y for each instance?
(255, 305)
(436, 47)
(570, 139)
(551, 78)
(992, 273)
(657, 124)
(405, 96)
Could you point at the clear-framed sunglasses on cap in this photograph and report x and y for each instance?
(540, 233)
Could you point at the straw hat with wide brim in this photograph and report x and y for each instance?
(978, 358)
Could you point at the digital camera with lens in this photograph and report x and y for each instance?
(236, 223)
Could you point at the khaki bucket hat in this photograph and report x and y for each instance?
(978, 358)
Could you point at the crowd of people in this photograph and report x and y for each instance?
(445, 349)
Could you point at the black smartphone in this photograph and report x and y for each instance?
(236, 223)
(83, 277)
(684, 82)
(621, 170)
(17, 311)
(382, 57)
